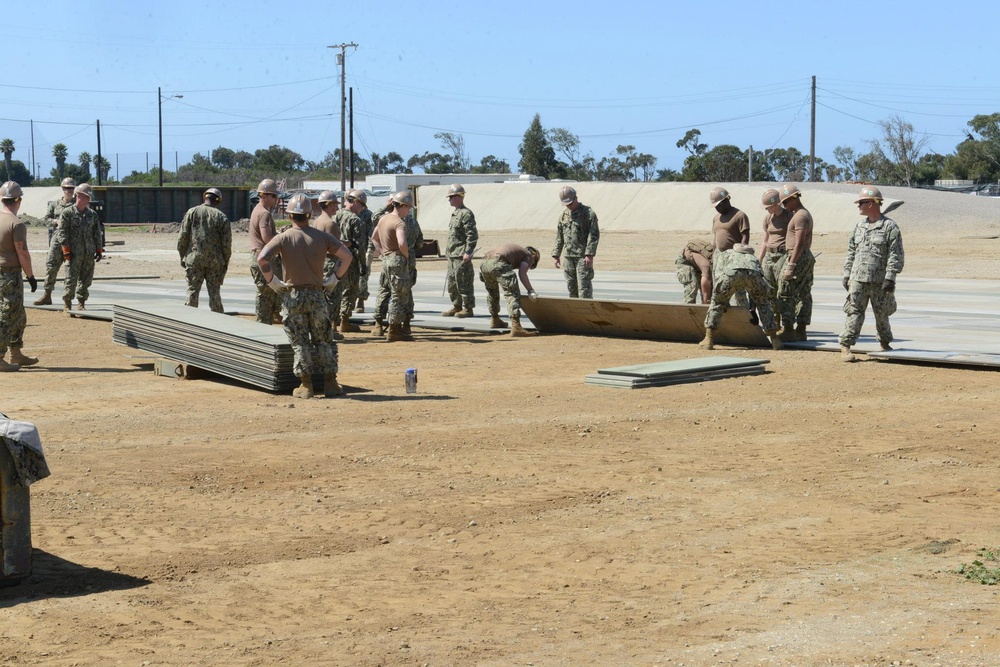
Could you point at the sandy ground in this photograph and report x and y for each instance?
(507, 514)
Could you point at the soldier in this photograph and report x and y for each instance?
(874, 259)
(772, 249)
(352, 235)
(79, 236)
(14, 259)
(414, 240)
(462, 239)
(736, 269)
(578, 233)
(54, 259)
(262, 230)
(389, 238)
(694, 271)
(328, 206)
(303, 250)
(497, 271)
(729, 227)
(368, 226)
(795, 286)
(205, 246)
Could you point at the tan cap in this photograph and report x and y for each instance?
(326, 197)
(456, 189)
(403, 198)
(718, 195)
(567, 195)
(267, 187)
(68, 183)
(84, 189)
(868, 192)
(10, 190)
(770, 198)
(215, 192)
(789, 191)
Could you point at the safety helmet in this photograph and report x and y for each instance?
(717, 195)
(535, 255)
(68, 183)
(770, 198)
(214, 192)
(869, 192)
(267, 187)
(10, 190)
(567, 195)
(788, 191)
(403, 198)
(84, 189)
(299, 204)
(456, 190)
(359, 195)
(326, 197)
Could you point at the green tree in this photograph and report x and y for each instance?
(224, 158)
(929, 168)
(848, 161)
(102, 167)
(723, 163)
(537, 155)
(788, 164)
(20, 174)
(277, 159)
(84, 164)
(900, 147)
(690, 143)
(491, 165)
(454, 144)
(431, 163)
(7, 148)
(390, 163)
(60, 153)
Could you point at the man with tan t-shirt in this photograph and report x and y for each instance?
(14, 258)
(304, 250)
(795, 289)
(262, 230)
(328, 206)
(772, 254)
(729, 227)
(389, 239)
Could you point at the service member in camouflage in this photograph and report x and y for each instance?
(304, 250)
(497, 272)
(389, 238)
(205, 246)
(54, 258)
(14, 259)
(736, 269)
(325, 222)
(368, 227)
(462, 239)
(262, 230)
(772, 254)
(352, 234)
(730, 226)
(694, 271)
(79, 237)
(795, 287)
(414, 241)
(578, 234)
(874, 259)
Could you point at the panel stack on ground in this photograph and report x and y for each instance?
(247, 351)
(663, 373)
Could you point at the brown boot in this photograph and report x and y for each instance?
(67, 304)
(331, 387)
(81, 303)
(347, 327)
(846, 355)
(496, 322)
(378, 330)
(884, 344)
(361, 306)
(18, 357)
(776, 343)
(451, 312)
(516, 331)
(800, 331)
(787, 334)
(405, 328)
(45, 299)
(8, 368)
(465, 312)
(395, 333)
(707, 342)
(305, 390)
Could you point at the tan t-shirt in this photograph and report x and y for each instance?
(262, 227)
(728, 228)
(511, 253)
(12, 230)
(801, 220)
(303, 251)
(386, 231)
(325, 223)
(776, 227)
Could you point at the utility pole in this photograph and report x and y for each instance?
(33, 146)
(750, 164)
(100, 160)
(812, 136)
(350, 117)
(343, 102)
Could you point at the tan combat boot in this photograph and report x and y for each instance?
(19, 358)
(496, 322)
(517, 331)
(707, 342)
(451, 312)
(787, 334)
(67, 304)
(776, 343)
(8, 368)
(884, 344)
(331, 387)
(846, 355)
(405, 328)
(378, 330)
(347, 327)
(395, 333)
(361, 306)
(800, 331)
(305, 390)
(45, 299)
(81, 303)
(465, 312)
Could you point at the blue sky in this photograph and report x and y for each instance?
(254, 74)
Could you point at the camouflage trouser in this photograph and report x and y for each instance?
(461, 283)
(267, 303)
(396, 270)
(690, 278)
(363, 292)
(496, 274)
(212, 277)
(883, 305)
(307, 326)
(53, 262)
(79, 275)
(795, 300)
(739, 294)
(383, 294)
(12, 318)
(333, 297)
(349, 290)
(578, 278)
(772, 266)
(741, 279)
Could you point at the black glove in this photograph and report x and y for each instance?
(889, 285)
(33, 282)
(847, 283)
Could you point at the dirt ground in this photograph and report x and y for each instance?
(507, 514)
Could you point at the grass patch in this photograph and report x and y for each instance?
(980, 570)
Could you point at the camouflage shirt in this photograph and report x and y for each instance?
(206, 238)
(462, 233)
(56, 207)
(352, 231)
(367, 227)
(577, 232)
(79, 230)
(874, 251)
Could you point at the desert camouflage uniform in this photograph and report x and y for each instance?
(351, 231)
(496, 274)
(732, 271)
(54, 259)
(205, 246)
(579, 234)
(397, 272)
(82, 233)
(12, 316)
(367, 253)
(688, 273)
(795, 292)
(307, 326)
(462, 239)
(414, 240)
(874, 255)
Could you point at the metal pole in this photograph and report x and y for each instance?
(351, 120)
(33, 146)
(159, 111)
(341, 60)
(812, 136)
(750, 164)
(100, 161)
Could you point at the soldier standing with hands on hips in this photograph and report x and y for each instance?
(579, 234)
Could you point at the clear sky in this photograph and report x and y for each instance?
(254, 74)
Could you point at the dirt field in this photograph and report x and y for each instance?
(507, 514)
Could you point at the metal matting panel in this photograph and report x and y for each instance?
(682, 323)
(641, 383)
(681, 366)
(949, 358)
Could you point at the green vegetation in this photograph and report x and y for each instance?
(979, 571)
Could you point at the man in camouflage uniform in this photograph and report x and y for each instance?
(579, 234)
(79, 237)
(874, 259)
(14, 259)
(389, 238)
(54, 259)
(462, 239)
(497, 271)
(795, 287)
(352, 235)
(368, 227)
(205, 246)
(773, 252)
(732, 270)
(694, 270)
(730, 226)
(262, 230)
(328, 206)
(306, 322)
(414, 240)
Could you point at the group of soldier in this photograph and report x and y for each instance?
(779, 277)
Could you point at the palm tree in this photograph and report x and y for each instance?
(7, 148)
(102, 167)
(85, 164)
(60, 153)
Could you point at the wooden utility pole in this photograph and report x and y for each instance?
(812, 136)
(343, 102)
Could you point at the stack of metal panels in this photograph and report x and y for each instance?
(244, 350)
(665, 373)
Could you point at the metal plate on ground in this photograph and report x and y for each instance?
(948, 358)
(683, 323)
(628, 382)
(682, 366)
